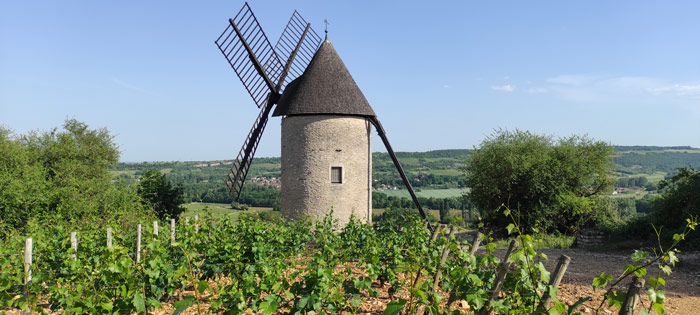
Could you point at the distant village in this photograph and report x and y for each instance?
(265, 181)
(275, 182)
(384, 187)
(212, 164)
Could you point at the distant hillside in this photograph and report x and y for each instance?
(439, 169)
(650, 148)
(647, 159)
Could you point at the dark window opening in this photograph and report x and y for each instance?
(336, 175)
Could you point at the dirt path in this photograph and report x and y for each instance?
(682, 286)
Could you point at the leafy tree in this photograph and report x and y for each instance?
(61, 174)
(157, 192)
(550, 184)
(643, 205)
(679, 200)
(22, 182)
(444, 211)
(626, 207)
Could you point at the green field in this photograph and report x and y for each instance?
(217, 210)
(452, 172)
(427, 193)
(634, 195)
(654, 177)
(434, 213)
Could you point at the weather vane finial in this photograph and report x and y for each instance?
(326, 21)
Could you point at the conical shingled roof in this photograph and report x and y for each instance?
(326, 87)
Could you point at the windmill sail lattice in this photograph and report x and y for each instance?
(260, 69)
(300, 37)
(248, 51)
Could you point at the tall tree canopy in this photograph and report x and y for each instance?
(157, 191)
(547, 183)
(61, 175)
(679, 200)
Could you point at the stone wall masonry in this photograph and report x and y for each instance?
(311, 145)
(590, 238)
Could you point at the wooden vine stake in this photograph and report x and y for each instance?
(555, 280)
(27, 272)
(74, 244)
(109, 237)
(155, 230)
(632, 298)
(475, 246)
(476, 243)
(443, 259)
(172, 230)
(436, 233)
(500, 277)
(138, 243)
(196, 223)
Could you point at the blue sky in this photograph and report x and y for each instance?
(439, 75)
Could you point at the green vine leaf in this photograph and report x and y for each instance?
(511, 228)
(602, 280)
(394, 307)
(574, 307)
(139, 302)
(182, 305)
(639, 255)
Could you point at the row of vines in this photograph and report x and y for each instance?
(232, 267)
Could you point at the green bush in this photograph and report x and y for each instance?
(238, 206)
(63, 175)
(159, 194)
(549, 182)
(679, 200)
(271, 216)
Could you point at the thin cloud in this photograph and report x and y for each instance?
(573, 79)
(504, 88)
(621, 89)
(128, 86)
(537, 90)
(678, 90)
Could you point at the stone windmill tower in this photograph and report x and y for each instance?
(326, 125)
(326, 142)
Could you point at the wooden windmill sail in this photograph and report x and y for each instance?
(259, 67)
(304, 77)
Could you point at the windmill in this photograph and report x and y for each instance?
(327, 122)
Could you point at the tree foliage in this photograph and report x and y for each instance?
(680, 199)
(158, 193)
(550, 183)
(61, 175)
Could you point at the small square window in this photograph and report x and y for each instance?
(336, 175)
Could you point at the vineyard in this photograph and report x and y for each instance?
(204, 266)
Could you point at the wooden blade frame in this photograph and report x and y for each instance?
(297, 45)
(244, 37)
(382, 135)
(248, 51)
